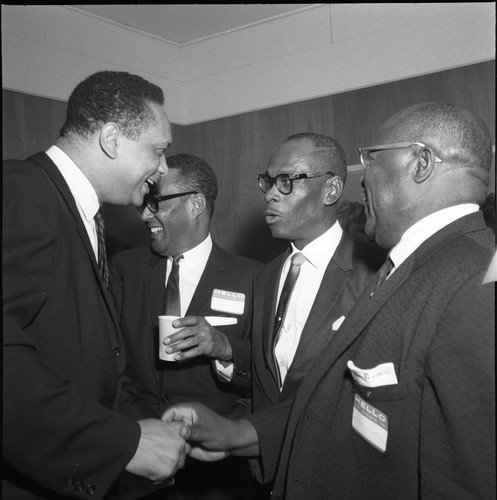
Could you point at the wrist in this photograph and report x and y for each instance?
(226, 357)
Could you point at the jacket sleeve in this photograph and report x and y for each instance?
(458, 412)
(270, 425)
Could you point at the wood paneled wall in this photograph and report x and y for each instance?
(238, 147)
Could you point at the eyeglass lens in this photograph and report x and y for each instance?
(284, 183)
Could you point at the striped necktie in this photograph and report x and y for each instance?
(102, 254)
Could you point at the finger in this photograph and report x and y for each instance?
(191, 353)
(177, 336)
(185, 434)
(188, 321)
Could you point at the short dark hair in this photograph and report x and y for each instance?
(111, 96)
(329, 153)
(195, 175)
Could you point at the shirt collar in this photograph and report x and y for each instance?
(79, 185)
(419, 232)
(321, 249)
(200, 252)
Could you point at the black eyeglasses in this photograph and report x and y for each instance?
(152, 202)
(284, 182)
(365, 153)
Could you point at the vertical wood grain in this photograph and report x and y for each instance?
(238, 147)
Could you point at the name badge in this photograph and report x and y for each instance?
(227, 302)
(370, 423)
(378, 376)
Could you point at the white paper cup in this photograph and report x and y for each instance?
(165, 330)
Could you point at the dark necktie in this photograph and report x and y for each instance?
(382, 274)
(102, 254)
(297, 260)
(173, 303)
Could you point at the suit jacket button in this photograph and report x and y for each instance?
(116, 350)
(164, 398)
(90, 489)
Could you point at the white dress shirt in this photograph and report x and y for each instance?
(82, 190)
(419, 232)
(191, 268)
(318, 254)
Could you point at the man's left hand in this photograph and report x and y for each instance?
(197, 338)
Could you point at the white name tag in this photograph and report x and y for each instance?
(370, 423)
(227, 302)
(378, 376)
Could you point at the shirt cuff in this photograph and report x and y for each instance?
(224, 369)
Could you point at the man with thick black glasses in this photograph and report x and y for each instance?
(211, 282)
(293, 322)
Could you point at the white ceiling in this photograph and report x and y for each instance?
(182, 24)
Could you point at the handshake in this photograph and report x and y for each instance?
(189, 429)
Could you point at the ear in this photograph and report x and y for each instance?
(108, 139)
(334, 189)
(425, 164)
(199, 204)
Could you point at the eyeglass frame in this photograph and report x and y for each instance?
(386, 147)
(291, 178)
(157, 199)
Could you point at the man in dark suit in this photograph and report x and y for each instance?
(62, 348)
(401, 404)
(302, 187)
(178, 217)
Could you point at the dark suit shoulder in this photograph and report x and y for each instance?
(133, 258)
(466, 255)
(237, 262)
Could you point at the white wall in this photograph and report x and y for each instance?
(328, 49)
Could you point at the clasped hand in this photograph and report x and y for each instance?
(197, 338)
(161, 450)
(203, 428)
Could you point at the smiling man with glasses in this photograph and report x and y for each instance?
(178, 216)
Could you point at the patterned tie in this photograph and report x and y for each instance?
(102, 254)
(382, 274)
(173, 303)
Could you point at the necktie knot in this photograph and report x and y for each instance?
(298, 259)
(177, 259)
(383, 273)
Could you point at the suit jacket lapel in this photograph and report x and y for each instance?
(203, 293)
(332, 285)
(157, 288)
(270, 294)
(59, 182)
(367, 307)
